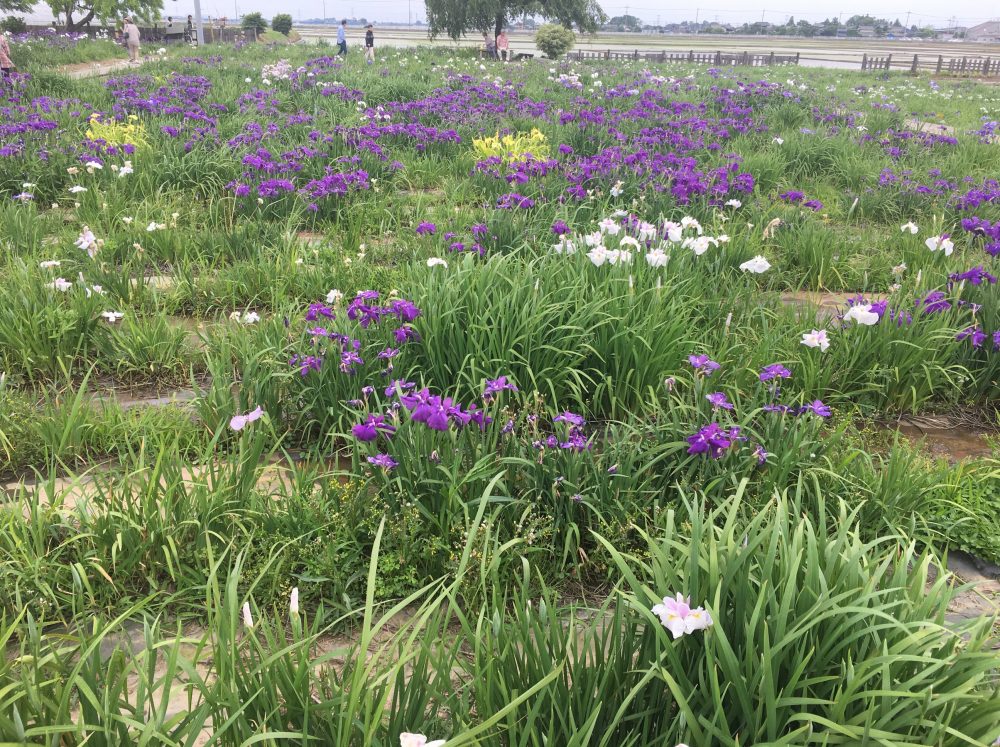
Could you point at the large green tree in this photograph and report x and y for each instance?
(17, 6)
(75, 14)
(455, 17)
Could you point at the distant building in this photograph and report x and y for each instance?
(984, 32)
(868, 32)
(956, 32)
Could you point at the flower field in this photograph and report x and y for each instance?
(535, 404)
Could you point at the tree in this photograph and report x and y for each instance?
(282, 23)
(624, 23)
(455, 17)
(17, 6)
(254, 21)
(554, 40)
(13, 25)
(143, 11)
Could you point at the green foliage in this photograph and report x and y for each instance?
(106, 11)
(554, 40)
(282, 23)
(828, 626)
(456, 17)
(13, 24)
(254, 22)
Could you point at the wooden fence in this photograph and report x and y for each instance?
(718, 59)
(983, 67)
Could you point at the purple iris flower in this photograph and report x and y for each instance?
(711, 440)
(576, 442)
(406, 333)
(933, 303)
(718, 400)
(349, 361)
(426, 229)
(761, 453)
(398, 385)
(816, 408)
(976, 275)
(703, 364)
(571, 418)
(384, 461)
(495, 386)
(977, 336)
(317, 310)
(774, 371)
(560, 228)
(372, 427)
(306, 363)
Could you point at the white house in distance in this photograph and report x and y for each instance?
(984, 32)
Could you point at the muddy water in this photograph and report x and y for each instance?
(954, 444)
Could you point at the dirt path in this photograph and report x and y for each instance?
(96, 69)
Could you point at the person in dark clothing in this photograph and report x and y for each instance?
(370, 45)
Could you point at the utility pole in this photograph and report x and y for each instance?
(908, 19)
(198, 24)
(324, 11)
(409, 12)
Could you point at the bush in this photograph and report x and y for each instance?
(13, 25)
(554, 40)
(254, 22)
(282, 23)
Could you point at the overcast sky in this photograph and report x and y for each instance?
(921, 12)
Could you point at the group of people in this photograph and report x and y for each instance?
(369, 41)
(498, 48)
(173, 28)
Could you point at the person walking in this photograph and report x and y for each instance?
(342, 38)
(6, 64)
(503, 46)
(131, 33)
(189, 35)
(370, 45)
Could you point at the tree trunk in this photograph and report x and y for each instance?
(498, 25)
(72, 25)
